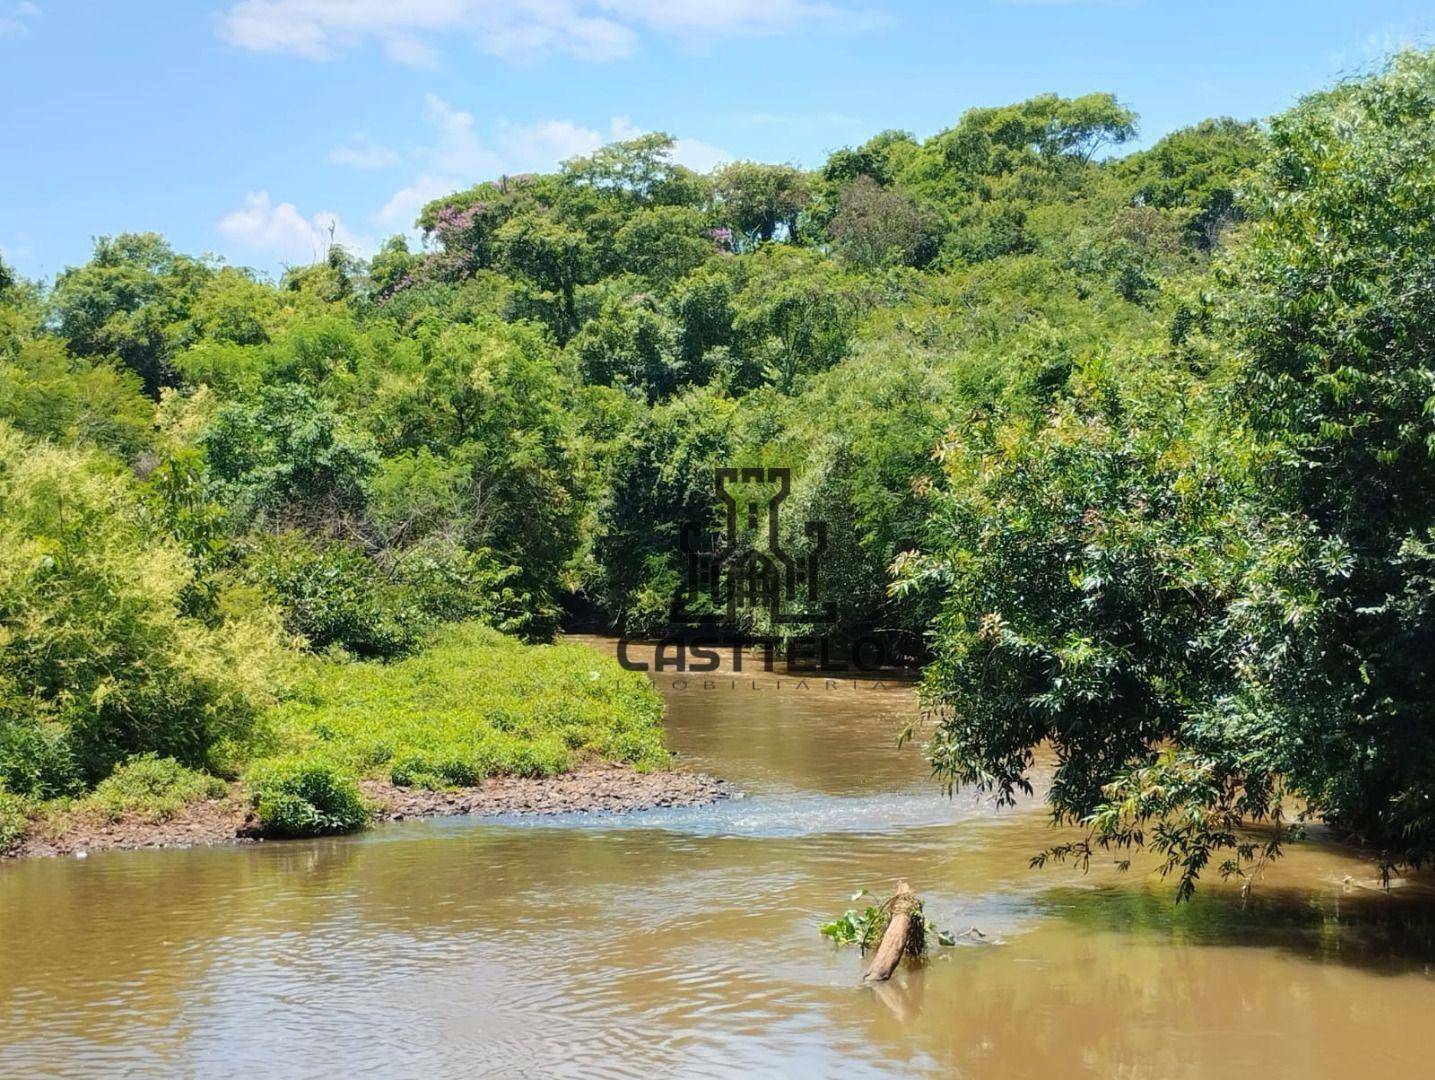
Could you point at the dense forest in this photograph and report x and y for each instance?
(1131, 450)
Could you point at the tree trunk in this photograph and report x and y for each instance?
(894, 941)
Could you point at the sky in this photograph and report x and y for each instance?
(247, 129)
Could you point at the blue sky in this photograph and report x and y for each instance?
(246, 127)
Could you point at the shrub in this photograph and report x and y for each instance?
(332, 593)
(36, 755)
(152, 786)
(448, 583)
(305, 797)
(419, 770)
(287, 454)
(98, 658)
(13, 820)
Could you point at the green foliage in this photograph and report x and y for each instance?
(760, 200)
(630, 345)
(332, 594)
(640, 168)
(553, 259)
(472, 704)
(1198, 171)
(14, 820)
(1202, 591)
(662, 477)
(799, 324)
(876, 227)
(287, 454)
(447, 582)
(1332, 308)
(663, 243)
(130, 301)
(155, 788)
(865, 928)
(98, 659)
(1046, 132)
(297, 797)
(47, 393)
(1075, 589)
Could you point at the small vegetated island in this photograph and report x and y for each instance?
(1131, 450)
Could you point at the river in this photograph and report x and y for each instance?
(684, 942)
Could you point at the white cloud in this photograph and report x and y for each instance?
(411, 51)
(402, 208)
(363, 154)
(320, 29)
(15, 18)
(727, 16)
(698, 155)
(280, 231)
(514, 29)
(542, 145)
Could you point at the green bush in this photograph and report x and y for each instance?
(98, 657)
(421, 770)
(332, 593)
(306, 797)
(448, 583)
(1208, 597)
(154, 787)
(13, 820)
(36, 755)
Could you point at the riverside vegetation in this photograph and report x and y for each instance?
(1131, 450)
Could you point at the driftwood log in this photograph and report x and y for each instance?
(894, 941)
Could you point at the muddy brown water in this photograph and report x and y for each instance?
(684, 942)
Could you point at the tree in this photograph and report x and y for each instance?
(554, 258)
(876, 227)
(641, 168)
(629, 345)
(879, 159)
(98, 659)
(1202, 608)
(761, 200)
(663, 243)
(465, 226)
(129, 301)
(286, 454)
(1196, 172)
(1332, 307)
(797, 323)
(392, 266)
(45, 392)
(1047, 134)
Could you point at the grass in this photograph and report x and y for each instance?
(474, 704)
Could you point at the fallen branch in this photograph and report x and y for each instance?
(896, 938)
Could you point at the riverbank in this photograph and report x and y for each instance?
(595, 788)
